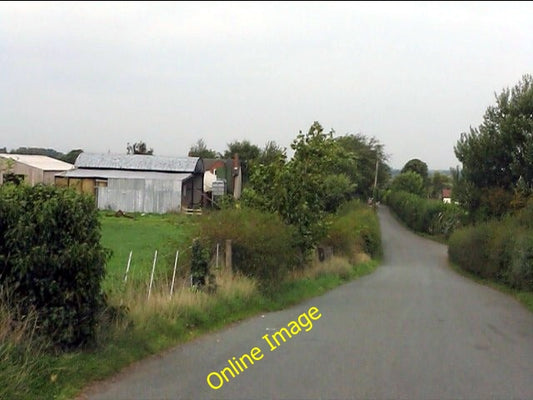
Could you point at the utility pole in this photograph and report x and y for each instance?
(375, 181)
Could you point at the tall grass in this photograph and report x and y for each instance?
(19, 352)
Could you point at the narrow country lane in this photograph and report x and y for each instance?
(414, 329)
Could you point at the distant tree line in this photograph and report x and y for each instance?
(69, 157)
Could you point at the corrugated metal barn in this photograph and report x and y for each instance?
(138, 183)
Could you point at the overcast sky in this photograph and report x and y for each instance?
(413, 75)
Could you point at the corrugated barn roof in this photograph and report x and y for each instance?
(138, 162)
(123, 174)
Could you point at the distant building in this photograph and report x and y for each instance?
(30, 169)
(138, 183)
(447, 195)
(228, 170)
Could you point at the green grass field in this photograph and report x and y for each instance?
(143, 235)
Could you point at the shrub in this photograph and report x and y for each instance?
(51, 259)
(500, 250)
(262, 245)
(355, 228)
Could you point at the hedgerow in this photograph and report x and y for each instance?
(51, 260)
(426, 215)
(500, 250)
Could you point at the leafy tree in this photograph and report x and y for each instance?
(71, 156)
(410, 182)
(499, 153)
(303, 189)
(140, 148)
(438, 182)
(418, 166)
(367, 151)
(247, 152)
(271, 153)
(200, 150)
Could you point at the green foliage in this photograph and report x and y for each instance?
(417, 166)
(438, 183)
(51, 259)
(271, 153)
(428, 216)
(410, 182)
(354, 229)
(199, 264)
(200, 150)
(38, 151)
(263, 246)
(303, 189)
(247, 152)
(367, 152)
(71, 156)
(499, 250)
(499, 153)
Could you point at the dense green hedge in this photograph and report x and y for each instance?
(51, 260)
(263, 246)
(426, 215)
(354, 228)
(500, 250)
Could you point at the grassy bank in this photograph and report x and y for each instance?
(162, 323)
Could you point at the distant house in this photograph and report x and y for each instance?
(447, 195)
(30, 169)
(138, 183)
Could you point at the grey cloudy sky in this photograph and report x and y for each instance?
(98, 75)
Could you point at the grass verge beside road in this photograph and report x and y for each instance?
(167, 326)
(524, 297)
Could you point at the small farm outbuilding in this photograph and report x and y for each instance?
(227, 171)
(138, 183)
(30, 169)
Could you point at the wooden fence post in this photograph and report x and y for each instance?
(228, 256)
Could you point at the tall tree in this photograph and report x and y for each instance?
(271, 153)
(200, 150)
(410, 182)
(417, 166)
(247, 152)
(368, 151)
(304, 188)
(499, 153)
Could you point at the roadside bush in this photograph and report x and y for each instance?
(51, 260)
(262, 245)
(354, 229)
(426, 215)
(500, 250)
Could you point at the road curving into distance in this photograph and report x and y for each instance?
(414, 329)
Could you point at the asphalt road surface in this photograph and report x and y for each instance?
(413, 329)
